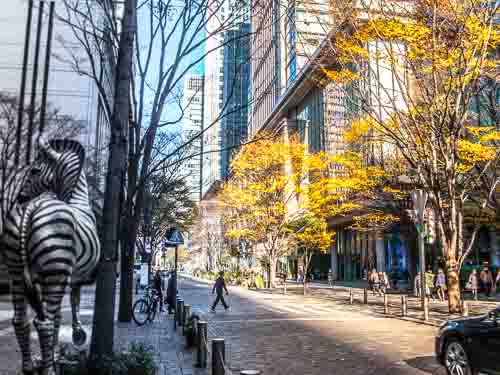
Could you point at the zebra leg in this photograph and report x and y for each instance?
(22, 326)
(52, 295)
(57, 326)
(79, 335)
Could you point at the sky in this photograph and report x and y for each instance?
(172, 111)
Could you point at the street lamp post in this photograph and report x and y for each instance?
(175, 285)
(419, 198)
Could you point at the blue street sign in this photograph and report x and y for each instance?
(173, 237)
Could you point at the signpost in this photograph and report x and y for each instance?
(174, 239)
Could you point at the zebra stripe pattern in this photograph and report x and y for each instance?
(57, 231)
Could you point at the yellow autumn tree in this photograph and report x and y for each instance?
(280, 196)
(422, 77)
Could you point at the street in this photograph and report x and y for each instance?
(292, 335)
(276, 334)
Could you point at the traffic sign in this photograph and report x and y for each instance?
(174, 237)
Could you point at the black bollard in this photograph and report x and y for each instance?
(218, 357)
(180, 312)
(365, 296)
(404, 306)
(201, 344)
(186, 314)
(426, 309)
(465, 308)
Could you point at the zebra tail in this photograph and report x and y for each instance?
(32, 290)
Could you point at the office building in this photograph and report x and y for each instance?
(234, 120)
(192, 126)
(284, 38)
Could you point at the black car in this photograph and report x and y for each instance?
(468, 345)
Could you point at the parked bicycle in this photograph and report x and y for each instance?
(146, 308)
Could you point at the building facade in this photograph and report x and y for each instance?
(192, 126)
(234, 122)
(71, 94)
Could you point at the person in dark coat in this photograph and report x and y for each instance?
(220, 287)
(157, 286)
(171, 293)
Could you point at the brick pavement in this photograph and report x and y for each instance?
(168, 346)
(278, 334)
(264, 336)
(438, 311)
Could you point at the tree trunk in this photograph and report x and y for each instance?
(307, 262)
(101, 345)
(272, 271)
(453, 286)
(127, 271)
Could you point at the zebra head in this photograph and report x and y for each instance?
(57, 168)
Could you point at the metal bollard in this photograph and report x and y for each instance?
(201, 344)
(386, 304)
(465, 308)
(426, 309)
(404, 306)
(250, 372)
(351, 297)
(180, 312)
(186, 315)
(218, 357)
(365, 296)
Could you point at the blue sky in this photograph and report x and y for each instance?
(172, 111)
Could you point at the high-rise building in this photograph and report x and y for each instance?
(284, 38)
(214, 87)
(192, 125)
(235, 94)
(227, 16)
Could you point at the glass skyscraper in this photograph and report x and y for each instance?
(234, 123)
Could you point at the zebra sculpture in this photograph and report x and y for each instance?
(50, 241)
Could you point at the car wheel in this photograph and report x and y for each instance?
(456, 360)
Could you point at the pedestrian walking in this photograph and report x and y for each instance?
(171, 295)
(429, 284)
(385, 285)
(497, 281)
(137, 283)
(375, 281)
(330, 277)
(220, 287)
(473, 283)
(441, 285)
(300, 277)
(417, 287)
(487, 280)
(157, 287)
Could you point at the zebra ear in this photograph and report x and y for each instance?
(71, 165)
(45, 146)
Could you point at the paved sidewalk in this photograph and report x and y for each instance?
(339, 293)
(168, 346)
(438, 311)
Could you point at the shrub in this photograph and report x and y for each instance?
(139, 360)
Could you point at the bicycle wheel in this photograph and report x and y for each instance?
(152, 311)
(140, 312)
